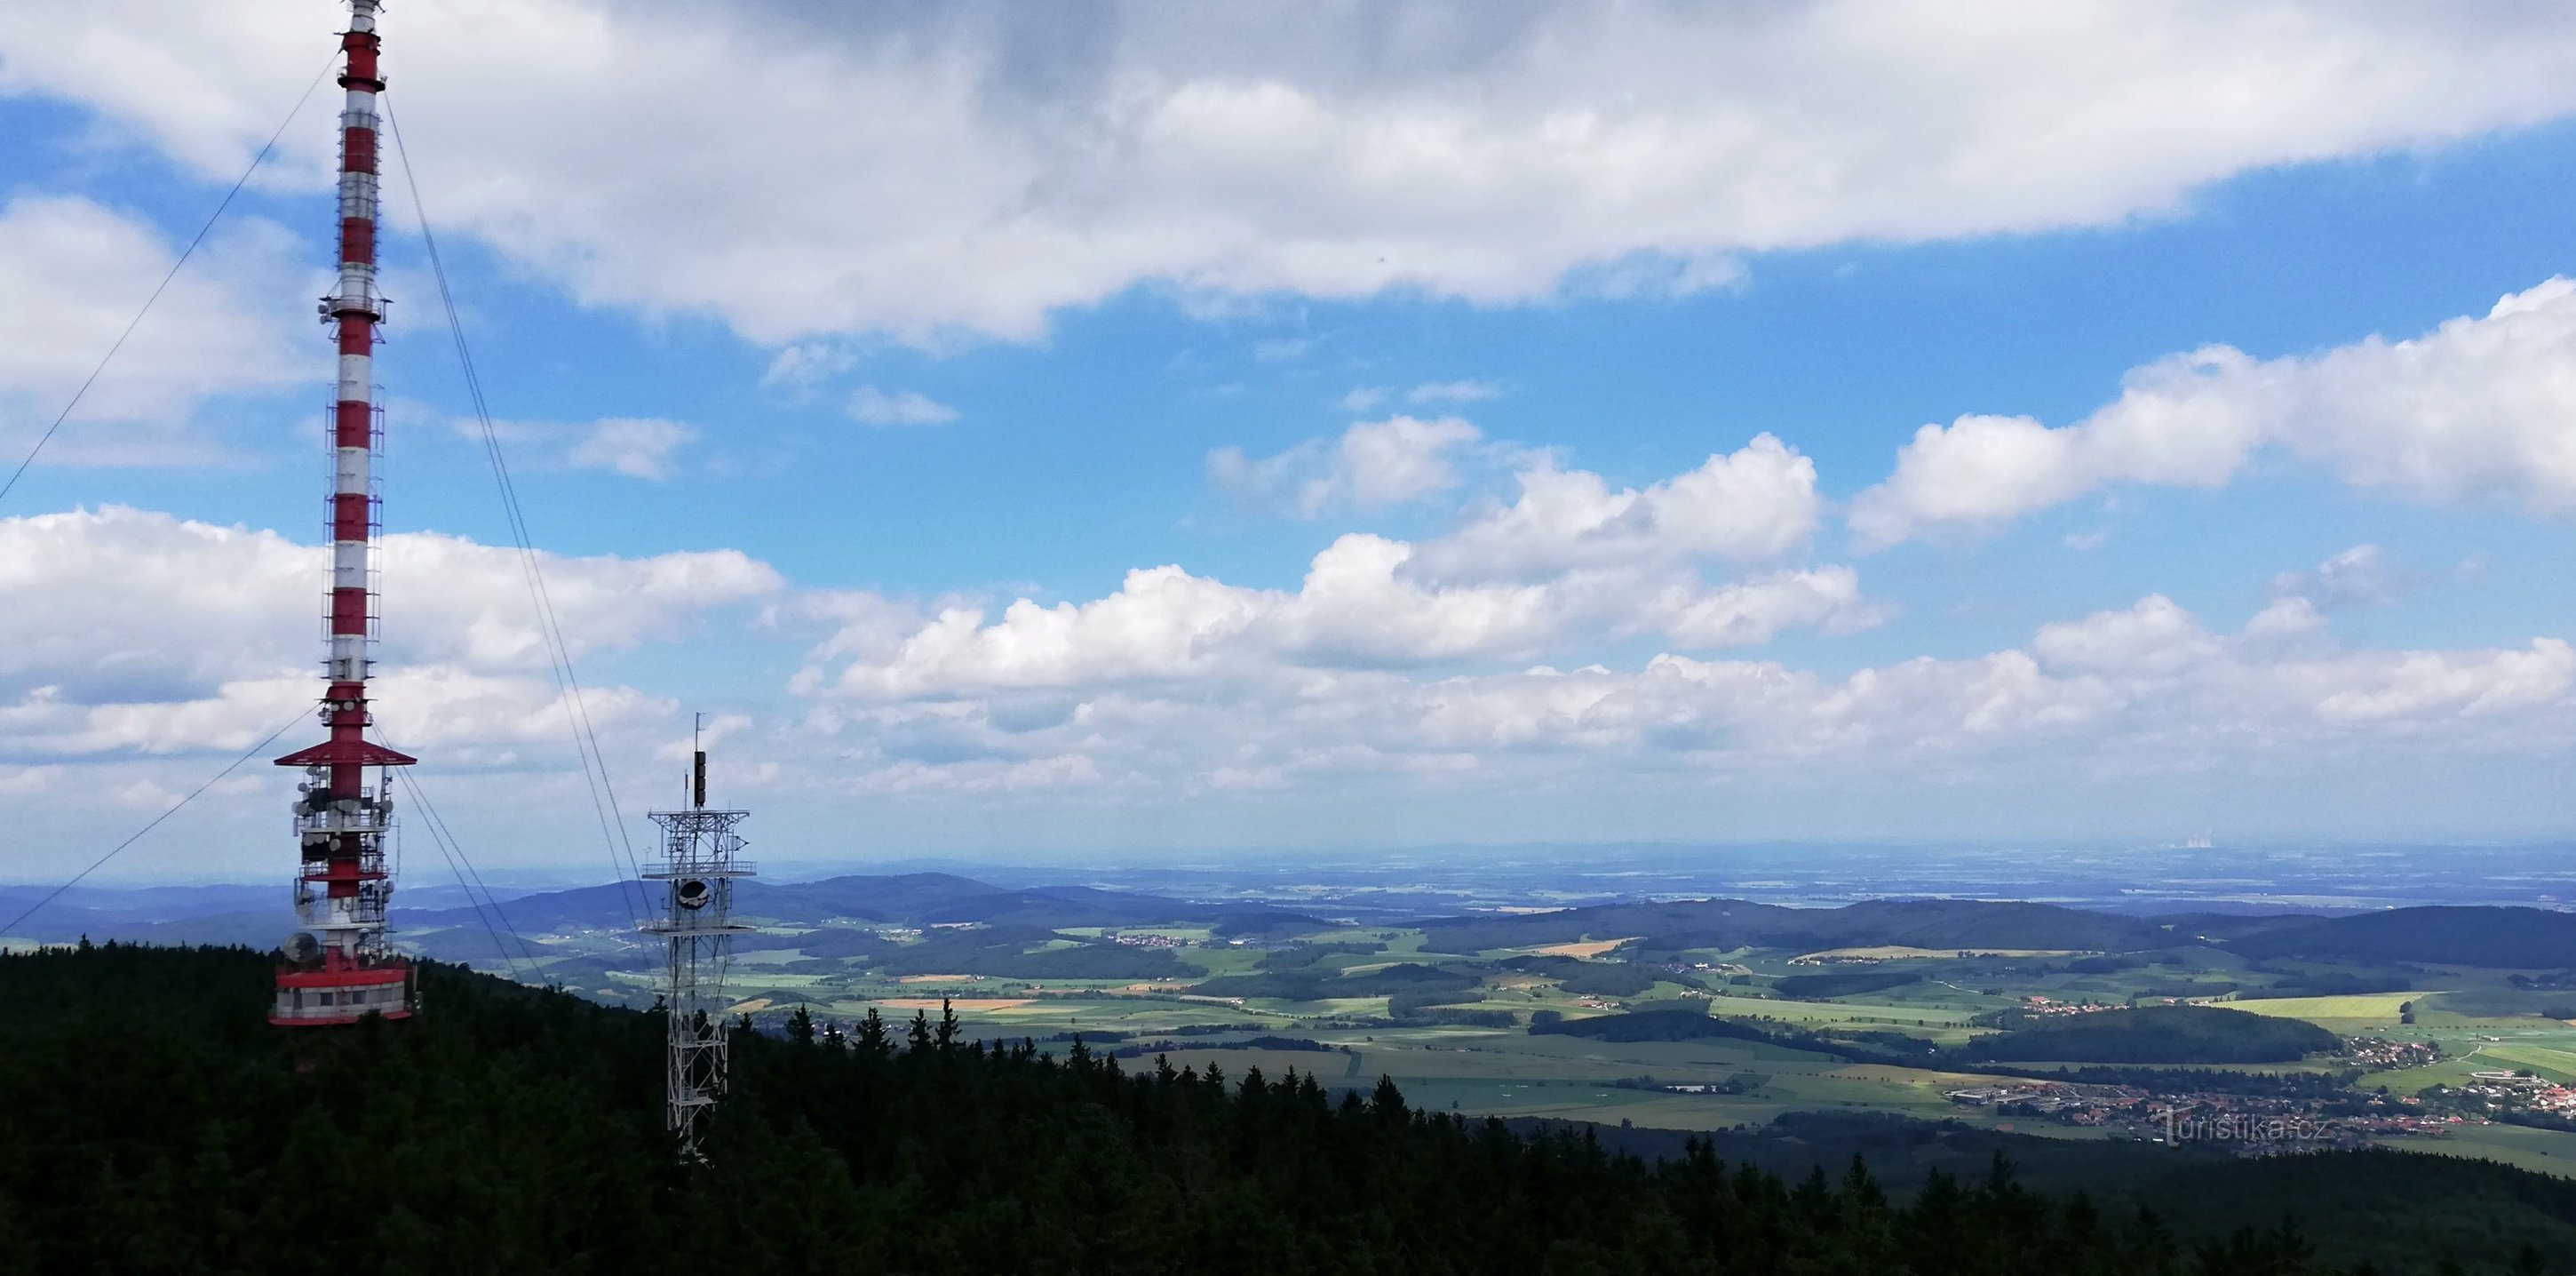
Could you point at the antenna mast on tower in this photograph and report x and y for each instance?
(337, 969)
(698, 866)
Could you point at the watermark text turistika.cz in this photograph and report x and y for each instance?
(2242, 1127)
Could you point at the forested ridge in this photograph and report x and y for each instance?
(162, 1126)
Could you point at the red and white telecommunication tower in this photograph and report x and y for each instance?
(337, 969)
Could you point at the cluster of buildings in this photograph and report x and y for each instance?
(2248, 1124)
(1147, 939)
(2037, 1005)
(2378, 1054)
(2502, 1091)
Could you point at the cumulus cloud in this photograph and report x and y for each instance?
(73, 274)
(1054, 157)
(1374, 465)
(2480, 408)
(142, 649)
(128, 607)
(1358, 607)
(871, 406)
(1758, 502)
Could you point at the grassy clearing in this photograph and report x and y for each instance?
(1842, 1013)
(2555, 1063)
(2542, 1151)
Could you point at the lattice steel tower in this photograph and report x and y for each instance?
(698, 866)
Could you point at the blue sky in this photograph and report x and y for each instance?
(1080, 361)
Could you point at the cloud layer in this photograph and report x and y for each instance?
(139, 631)
(736, 161)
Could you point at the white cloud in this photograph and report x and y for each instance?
(121, 605)
(1758, 502)
(74, 273)
(142, 649)
(1360, 606)
(1383, 463)
(2153, 637)
(2480, 408)
(871, 406)
(149, 644)
(1374, 465)
(1056, 157)
(1363, 399)
(799, 369)
(1157, 689)
(1451, 392)
(2359, 576)
(635, 447)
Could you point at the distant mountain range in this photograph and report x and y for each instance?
(908, 899)
(2477, 936)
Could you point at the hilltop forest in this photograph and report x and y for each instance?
(166, 1128)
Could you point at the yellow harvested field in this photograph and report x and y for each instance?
(2375, 1005)
(756, 1003)
(936, 979)
(1584, 948)
(959, 1003)
(1899, 952)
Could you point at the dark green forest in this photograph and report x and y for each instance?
(2154, 1034)
(162, 1126)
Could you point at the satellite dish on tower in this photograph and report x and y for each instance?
(302, 948)
(692, 893)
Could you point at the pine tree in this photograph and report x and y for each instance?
(873, 1042)
(1387, 1102)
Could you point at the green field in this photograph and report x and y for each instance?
(2477, 1018)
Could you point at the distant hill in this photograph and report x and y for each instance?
(1735, 923)
(908, 899)
(2156, 1034)
(2456, 935)
(2512, 938)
